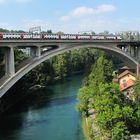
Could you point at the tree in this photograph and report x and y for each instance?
(137, 89)
(60, 66)
(115, 117)
(111, 110)
(49, 32)
(19, 56)
(91, 87)
(102, 70)
(83, 100)
(60, 33)
(120, 132)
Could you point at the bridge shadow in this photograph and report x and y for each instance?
(12, 121)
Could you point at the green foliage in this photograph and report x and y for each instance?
(137, 89)
(49, 32)
(116, 116)
(3, 30)
(120, 132)
(91, 87)
(60, 66)
(19, 56)
(111, 110)
(83, 100)
(102, 71)
(15, 31)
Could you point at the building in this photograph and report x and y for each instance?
(126, 80)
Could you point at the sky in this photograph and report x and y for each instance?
(71, 16)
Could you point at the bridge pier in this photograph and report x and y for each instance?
(138, 54)
(9, 61)
(129, 49)
(132, 51)
(32, 52)
(38, 52)
(138, 69)
(35, 52)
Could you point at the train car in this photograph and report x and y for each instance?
(101, 37)
(33, 36)
(111, 37)
(118, 37)
(64, 37)
(97, 37)
(72, 36)
(51, 36)
(27, 36)
(68, 36)
(83, 37)
(11, 36)
(36, 36)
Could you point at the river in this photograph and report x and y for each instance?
(48, 114)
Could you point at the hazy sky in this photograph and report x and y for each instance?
(71, 16)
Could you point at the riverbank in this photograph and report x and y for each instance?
(86, 128)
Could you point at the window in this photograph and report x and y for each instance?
(124, 83)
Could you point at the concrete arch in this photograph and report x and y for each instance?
(120, 54)
(63, 48)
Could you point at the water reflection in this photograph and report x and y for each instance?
(47, 114)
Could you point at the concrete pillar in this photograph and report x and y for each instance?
(9, 61)
(132, 51)
(138, 69)
(35, 52)
(32, 52)
(138, 54)
(135, 52)
(129, 49)
(38, 52)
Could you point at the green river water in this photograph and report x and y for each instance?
(48, 114)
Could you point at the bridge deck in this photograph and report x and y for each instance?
(22, 43)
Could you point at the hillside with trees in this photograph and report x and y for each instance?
(116, 117)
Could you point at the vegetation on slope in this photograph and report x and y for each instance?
(116, 116)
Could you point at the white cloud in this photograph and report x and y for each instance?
(106, 8)
(81, 11)
(85, 11)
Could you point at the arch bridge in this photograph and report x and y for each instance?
(41, 50)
